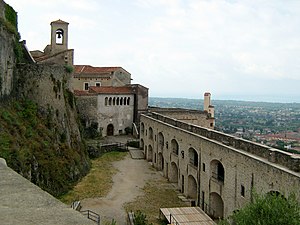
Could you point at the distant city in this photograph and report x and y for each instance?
(272, 124)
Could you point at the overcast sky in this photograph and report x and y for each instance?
(243, 50)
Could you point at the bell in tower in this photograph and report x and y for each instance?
(59, 36)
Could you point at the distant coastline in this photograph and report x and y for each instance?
(263, 99)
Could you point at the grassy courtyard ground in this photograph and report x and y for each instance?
(98, 182)
(156, 193)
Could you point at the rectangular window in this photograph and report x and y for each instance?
(97, 84)
(86, 86)
(242, 191)
(203, 167)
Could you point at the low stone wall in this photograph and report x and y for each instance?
(273, 155)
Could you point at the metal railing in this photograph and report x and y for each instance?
(92, 216)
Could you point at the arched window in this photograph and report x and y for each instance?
(142, 128)
(125, 101)
(114, 101)
(118, 100)
(217, 170)
(150, 133)
(106, 100)
(109, 101)
(174, 146)
(128, 101)
(193, 157)
(121, 101)
(161, 141)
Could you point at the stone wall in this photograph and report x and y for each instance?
(119, 116)
(48, 86)
(140, 101)
(7, 55)
(196, 117)
(286, 159)
(216, 170)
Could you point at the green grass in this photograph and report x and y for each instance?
(157, 194)
(99, 180)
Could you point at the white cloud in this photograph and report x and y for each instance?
(180, 46)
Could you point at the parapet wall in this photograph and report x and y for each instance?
(196, 117)
(273, 155)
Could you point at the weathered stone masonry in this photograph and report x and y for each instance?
(216, 170)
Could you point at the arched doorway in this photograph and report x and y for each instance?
(173, 173)
(217, 205)
(192, 187)
(160, 165)
(110, 130)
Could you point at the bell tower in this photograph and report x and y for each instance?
(59, 36)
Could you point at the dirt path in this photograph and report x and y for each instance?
(128, 182)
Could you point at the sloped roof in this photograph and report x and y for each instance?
(59, 21)
(87, 69)
(83, 93)
(111, 90)
(90, 71)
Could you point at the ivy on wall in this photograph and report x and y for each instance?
(11, 24)
(11, 16)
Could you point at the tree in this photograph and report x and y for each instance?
(270, 209)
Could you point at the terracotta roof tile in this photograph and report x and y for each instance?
(83, 93)
(111, 90)
(86, 69)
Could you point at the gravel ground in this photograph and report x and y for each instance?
(128, 183)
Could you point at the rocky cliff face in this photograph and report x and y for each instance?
(39, 129)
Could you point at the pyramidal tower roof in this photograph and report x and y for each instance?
(59, 21)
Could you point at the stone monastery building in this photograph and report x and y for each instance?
(214, 170)
(105, 96)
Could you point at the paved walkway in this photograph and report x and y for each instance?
(22, 202)
(128, 184)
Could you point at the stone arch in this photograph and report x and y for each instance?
(110, 130)
(173, 173)
(217, 170)
(192, 187)
(150, 153)
(160, 161)
(161, 141)
(193, 156)
(150, 133)
(217, 205)
(174, 146)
